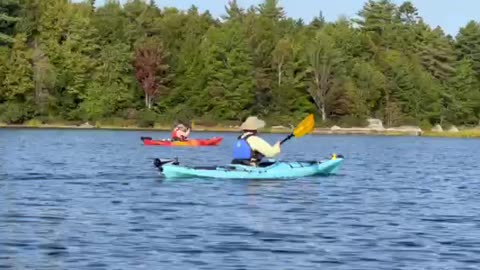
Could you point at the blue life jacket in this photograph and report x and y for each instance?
(243, 153)
(242, 150)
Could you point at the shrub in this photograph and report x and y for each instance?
(279, 120)
(146, 118)
(352, 121)
(14, 113)
(129, 113)
(33, 123)
(117, 122)
(409, 121)
(206, 122)
(425, 125)
(161, 126)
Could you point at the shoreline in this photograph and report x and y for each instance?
(468, 133)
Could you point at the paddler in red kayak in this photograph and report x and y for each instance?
(180, 133)
(249, 148)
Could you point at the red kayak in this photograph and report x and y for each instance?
(189, 143)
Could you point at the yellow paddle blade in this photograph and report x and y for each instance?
(305, 127)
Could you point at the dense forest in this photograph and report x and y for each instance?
(65, 61)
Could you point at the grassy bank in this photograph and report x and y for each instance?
(467, 133)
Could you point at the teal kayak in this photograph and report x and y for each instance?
(268, 170)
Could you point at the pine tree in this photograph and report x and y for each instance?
(377, 18)
(290, 100)
(468, 45)
(229, 73)
(234, 11)
(436, 54)
(464, 94)
(9, 16)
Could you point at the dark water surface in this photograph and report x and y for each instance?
(93, 200)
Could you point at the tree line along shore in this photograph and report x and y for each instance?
(135, 65)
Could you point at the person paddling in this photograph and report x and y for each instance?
(249, 148)
(180, 133)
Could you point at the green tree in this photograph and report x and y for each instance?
(369, 84)
(18, 78)
(186, 96)
(111, 24)
(281, 55)
(323, 59)
(4, 56)
(229, 73)
(44, 77)
(142, 19)
(436, 54)
(468, 45)
(290, 100)
(263, 28)
(234, 11)
(377, 18)
(18, 83)
(111, 89)
(9, 16)
(464, 95)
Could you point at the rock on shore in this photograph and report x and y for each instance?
(375, 126)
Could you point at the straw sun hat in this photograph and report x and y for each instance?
(252, 123)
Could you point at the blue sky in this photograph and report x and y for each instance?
(450, 15)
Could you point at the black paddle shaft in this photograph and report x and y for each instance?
(287, 138)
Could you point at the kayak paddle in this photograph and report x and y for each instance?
(189, 125)
(306, 126)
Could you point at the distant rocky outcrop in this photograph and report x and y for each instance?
(453, 129)
(375, 123)
(437, 128)
(86, 125)
(375, 126)
(413, 130)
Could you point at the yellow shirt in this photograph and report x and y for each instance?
(260, 145)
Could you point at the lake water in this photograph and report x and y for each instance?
(93, 200)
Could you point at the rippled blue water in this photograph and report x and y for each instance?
(92, 199)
